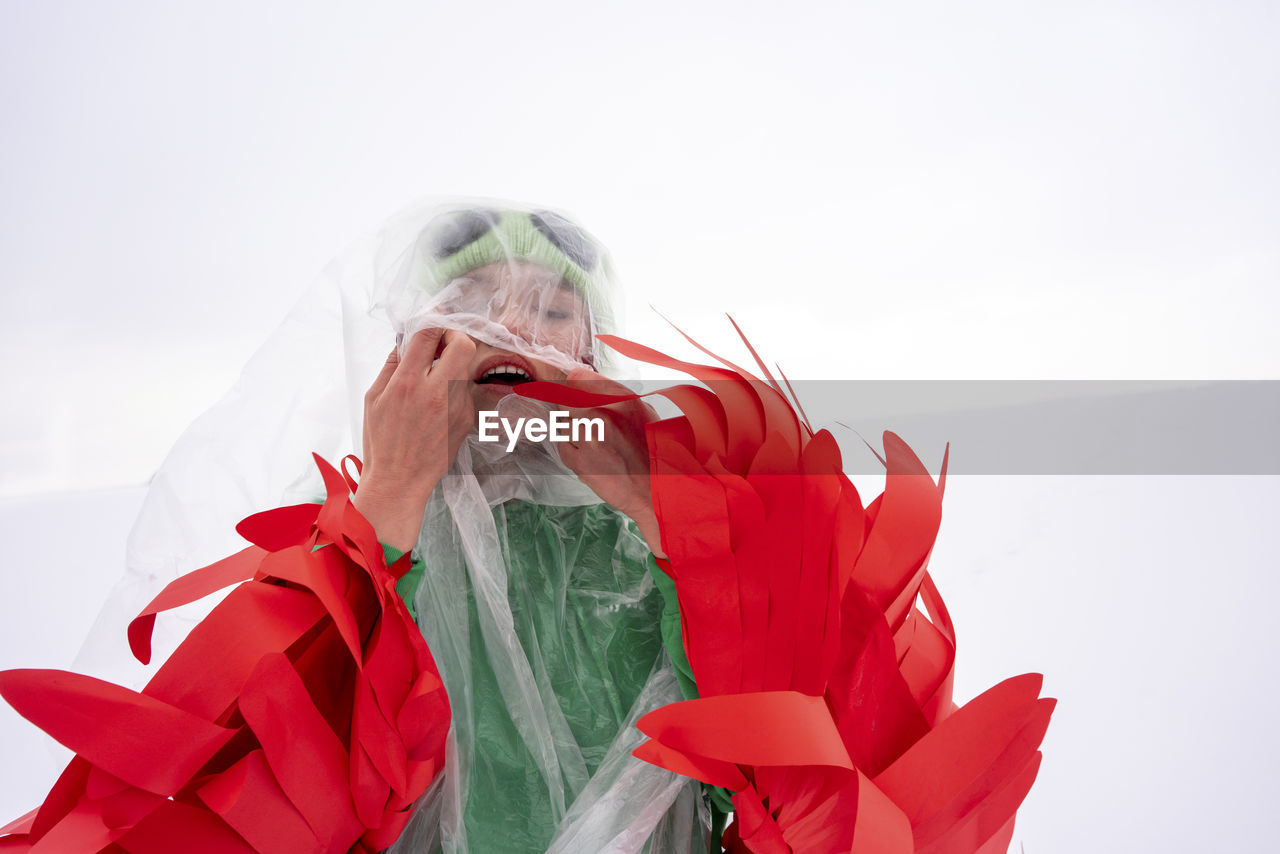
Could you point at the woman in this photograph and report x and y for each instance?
(536, 596)
(713, 580)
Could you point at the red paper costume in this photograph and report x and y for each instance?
(303, 714)
(306, 714)
(824, 690)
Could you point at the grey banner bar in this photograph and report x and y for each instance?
(1057, 427)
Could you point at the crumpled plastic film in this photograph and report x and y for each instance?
(544, 619)
(624, 804)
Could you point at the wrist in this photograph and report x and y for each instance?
(391, 487)
(396, 516)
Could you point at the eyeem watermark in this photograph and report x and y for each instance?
(558, 427)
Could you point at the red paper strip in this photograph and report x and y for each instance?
(187, 589)
(149, 744)
(254, 619)
(277, 529)
(305, 756)
(83, 829)
(768, 728)
(250, 801)
(19, 825)
(711, 771)
(933, 771)
(182, 827)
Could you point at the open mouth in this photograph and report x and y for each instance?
(505, 376)
(505, 371)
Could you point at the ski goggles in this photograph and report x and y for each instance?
(459, 240)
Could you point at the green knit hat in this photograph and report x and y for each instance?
(463, 240)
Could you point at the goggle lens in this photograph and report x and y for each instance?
(466, 227)
(461, 230)
(566, 237)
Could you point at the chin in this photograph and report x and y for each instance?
(487, 396)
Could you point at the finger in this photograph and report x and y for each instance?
(421, 351)
(455, 356)
(384, 375)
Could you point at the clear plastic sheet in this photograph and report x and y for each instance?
(537, 601)
(544, 621)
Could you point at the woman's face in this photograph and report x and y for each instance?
(536, 306)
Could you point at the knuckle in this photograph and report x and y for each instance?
(436, 396)
(399, 389)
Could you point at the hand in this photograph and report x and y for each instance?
(617, 469)
(416, 415)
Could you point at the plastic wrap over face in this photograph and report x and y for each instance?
(522, 281)
(536, 599)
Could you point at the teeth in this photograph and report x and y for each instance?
(507, 369)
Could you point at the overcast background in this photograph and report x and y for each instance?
(926, 190)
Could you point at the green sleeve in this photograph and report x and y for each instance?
(672, 637)
(407, 586)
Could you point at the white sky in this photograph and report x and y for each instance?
(874, 190)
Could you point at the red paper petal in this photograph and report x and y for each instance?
(19, 825)
(879, 826)
(754, 829)
(250, 801)
(307, 759)
(82, 829)
(902, 533)
(187, 589)
(254, 619)
(769, 728)
(143, 741)
(938, 768)
(280, 528)
(181, 827)
(712, 771)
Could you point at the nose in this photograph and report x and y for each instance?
(516, 322)
(518, 312)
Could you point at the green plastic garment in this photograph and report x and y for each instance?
(545, 622)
